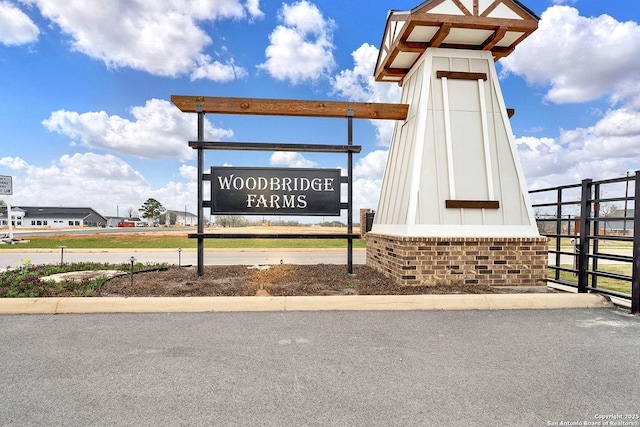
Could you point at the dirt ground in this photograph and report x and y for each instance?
(277, 280)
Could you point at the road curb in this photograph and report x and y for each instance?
(300, 303)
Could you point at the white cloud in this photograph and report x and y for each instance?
(365, 194)
(217, 71)
(103, 182)
(159, 130)
(160, 37)
(372, 165)
(82, 178)
(253, 7)
(301, 49)
(608, 149)
(290, 159)
(358, 84)
(368, 173)
(580, 58)
(14, 163)
(189, 172)
(16, 27)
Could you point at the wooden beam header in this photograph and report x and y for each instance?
(472, 204)
(288, 107)
(461, 75)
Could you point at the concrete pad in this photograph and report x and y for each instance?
(83, 275)
(301, 303)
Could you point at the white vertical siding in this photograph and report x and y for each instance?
(456, 144)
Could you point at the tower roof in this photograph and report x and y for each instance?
(494, 25)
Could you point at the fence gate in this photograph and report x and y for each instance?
(594, 231)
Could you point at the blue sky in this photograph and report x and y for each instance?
(85, 86)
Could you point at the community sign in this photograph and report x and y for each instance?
(275, 191)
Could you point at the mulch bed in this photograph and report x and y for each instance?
(277, 280)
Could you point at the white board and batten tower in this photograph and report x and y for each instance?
(454, 206)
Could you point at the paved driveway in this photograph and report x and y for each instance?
(447, 368)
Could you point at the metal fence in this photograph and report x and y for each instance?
(594, 236)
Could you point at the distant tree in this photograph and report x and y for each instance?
(546, 222)
(131, 212)
(168, 218)
(284, 223)
(231, 221)
(608, 210)
(151, 210)
(332, 224)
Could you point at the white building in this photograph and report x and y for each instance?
(54, 217)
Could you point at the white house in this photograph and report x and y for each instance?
(54, 217)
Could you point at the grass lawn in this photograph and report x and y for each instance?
(602, 282)
(175, 240)
(566, 245)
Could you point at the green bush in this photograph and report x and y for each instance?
(26, 281)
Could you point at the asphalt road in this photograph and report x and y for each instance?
(448, 368)
(14, 258)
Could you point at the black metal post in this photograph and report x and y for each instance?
(626, 205)
(200, 190)
(559, 231)
(350, 191)
(585, 214)
(596, 232)
(62, 254)
(132, 260)
(635, 275)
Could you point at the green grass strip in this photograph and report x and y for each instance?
(171, 242)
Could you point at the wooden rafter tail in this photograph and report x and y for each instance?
(288, 107)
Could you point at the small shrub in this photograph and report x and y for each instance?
(25, 281)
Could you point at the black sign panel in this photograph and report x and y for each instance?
(275, 191)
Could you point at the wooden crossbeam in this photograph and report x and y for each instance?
(271, 236)
(278, 146)
(288, 107)
(461, 75)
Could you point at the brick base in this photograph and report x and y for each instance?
(494, 261)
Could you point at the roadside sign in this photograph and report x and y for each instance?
(6, 186)
(275, 191)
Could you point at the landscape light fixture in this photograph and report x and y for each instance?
(179, 257)
(132, 260)
(62, 254)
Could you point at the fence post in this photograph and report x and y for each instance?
(635, 274)
(350, 191)
(585, 214)
(559, 231)
(200, 254)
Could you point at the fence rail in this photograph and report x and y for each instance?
(594, 232)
